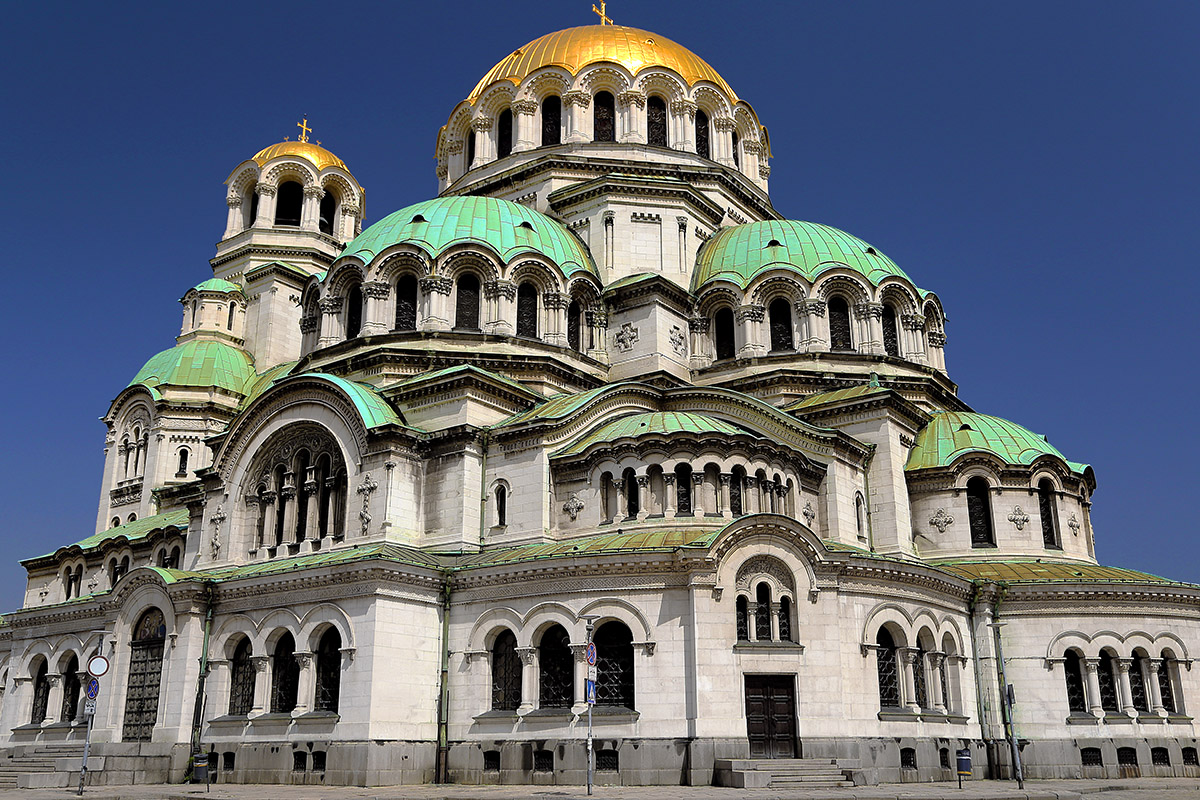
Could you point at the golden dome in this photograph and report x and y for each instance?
(314, 154)
(576, 48)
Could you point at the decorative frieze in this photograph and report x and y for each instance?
(125, 495)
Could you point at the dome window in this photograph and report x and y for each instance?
(965, 427)
(871, 251)
(416, 219)
(774, 243)
(526, 225)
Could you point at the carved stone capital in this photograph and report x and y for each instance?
(751, 313)
(233, 201)
(303, 658)
(684, 107)
(260, 663)
(724, 123)
(436, 285)
(314, 192)
(556, 300)
(577, 98)
(500, 288)
(699, 324)
(937, 339)
(869, 310)
(377, 289)
(309, 324)
(482, 124)
(330, 305)
(264, 189)
(526, 107)
(632, 97)
(528, 655)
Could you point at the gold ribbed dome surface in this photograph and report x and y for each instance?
(576, 48)
(314, 154)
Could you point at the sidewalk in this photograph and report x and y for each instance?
(1132, 789)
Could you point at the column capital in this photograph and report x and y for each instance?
(527, 655)
(260, 663)
(526, 107)
(579, 651)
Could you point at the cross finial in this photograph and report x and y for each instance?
(304, 129)
(604, 20)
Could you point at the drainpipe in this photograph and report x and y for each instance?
(198, 710)
(867, 499)
(442, 773)
(484, 441)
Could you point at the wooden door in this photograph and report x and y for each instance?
(771, 716)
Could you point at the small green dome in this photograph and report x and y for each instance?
(217, 285)
(739, 253)
(507, 229)
(198, 364)
(951, 434)
(663, 423)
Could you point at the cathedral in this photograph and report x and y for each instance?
(360, 523)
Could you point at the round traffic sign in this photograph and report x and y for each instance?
(591, 653)
(97, 666)
(93, 688)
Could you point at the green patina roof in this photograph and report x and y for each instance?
(387, 551)
(1032, 571)
(217, 285)
(644, 541)
(447, 372)
(263, 381)
(372, 408)
(198, 363)
(821, 398)
(660, 422)
(282, 264)
(496, 224)
(951, 434)
(741, 252)
(136, 530)
(558, 406)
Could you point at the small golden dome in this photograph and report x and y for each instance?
(576, 48)
(314, 154)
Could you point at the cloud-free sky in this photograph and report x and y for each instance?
(1034, 163)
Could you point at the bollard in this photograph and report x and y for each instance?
(964, 764)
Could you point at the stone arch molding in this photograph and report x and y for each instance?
(1123, 644)
(262, 632)
(782, 538)
(910, 623)
(529, 626)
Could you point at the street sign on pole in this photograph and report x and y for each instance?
(97, 666)
(590, 692)
(591, 654)
(89, 705)
(93, 688)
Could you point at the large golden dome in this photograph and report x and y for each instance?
(314, 154)
(576, 48)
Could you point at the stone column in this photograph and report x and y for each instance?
(752, 619)
(481, 129)
(750, 318)
(622, 499)
(523, 121)
(643, 482)
(632, 105)
(672, 493)
(775, 622)
(908, 663)
(1154, 687)
(376, 294)
(768, 496)
(310, 212)
(435, 294)
(581, 665)
(937, 663)
(306, 689)
(701, 343)
(1093, 686)
(750, 497)
(233, 221)
(80, 717)
(869, 328)
(287, 496)
(1125, 699)
(54, 704)
(914, 348)
(598, 321)
(262, 684)
(501, 307)
(556, 318)
(331, 325)
(724, 508)
(697, 500)
(347, 226)
(266, 205)
(683, 126)
(937, 347)
(750, 151)
(575, 104)
(312, 506)
(722, 140)
(529, 674)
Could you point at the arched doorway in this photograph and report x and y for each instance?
(145, 676)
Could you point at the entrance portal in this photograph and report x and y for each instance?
(771, 716)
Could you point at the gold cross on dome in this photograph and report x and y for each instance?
(304, 130)
(604, 20)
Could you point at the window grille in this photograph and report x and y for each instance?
(145, 676)
(556, 670)
(1091, 757)
(543, 761)
(1127, 756)
(506, 673)
(1190, 757)
(1076, 698)
(1108, 683)
(737, 159)
(1137, 685)
(703, 148)
(656, 122)
(683, 489)
(785, 619)
(491, 760)
(71, 687)
(889, 674)
(762, 613)
(329, 671)
(1164, 682)
(614, 665)
(1048, 514)
(604, 118)
(41, 696)
(466, 306)
(979, 512)
(406, 303)
(919, 678)
(735, 494)
(299, 761)
(891, 342)
(607, 761)
(944, 758)
(285, 676)
(781, 325)
(228, 760)
(241, 680)
(527, 311)
(574, 325)
(1160, 757)
(908, 758)
(743, 620)
(839, 325)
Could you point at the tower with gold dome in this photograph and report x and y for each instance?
(361, 522)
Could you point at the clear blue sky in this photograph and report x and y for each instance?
(1034, 163)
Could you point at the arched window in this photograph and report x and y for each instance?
(241, 680)
(608, 497)
(860, 516)
(504, 133)
(280, 504)
(253, 206)
(506, 673)
(556, 669)
(329, 671)
(604, 118)
(920, 684)
(723, 333)
(1107, 674)
(71, 687)
(743, 619)
(501, 506)
(114, 522)
(354, 311)
(632, 504)
(145, 676)
(471, 134)
(466, 303)
(285, 675)
(839, 325)
(527, 310)
(683, 488)
(574, 326)
(614, 665)
(551, 121)
(41, 695)
(195, 308)
(703, 148)
(656, 121)
(762, 613)
(328, 210)
(183, 463)
(1165, 683)
(1137, 682)
(785, 619)
(889, 673)
(302, 495)
(1073, 668)
(229, 321)
(979, 512)
(1049, 514)
(406, 303)
(289, 202)
(780, 313)
(737, 156)
(891, 342)
(736, 481)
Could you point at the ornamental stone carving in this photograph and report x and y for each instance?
(526, 107)
(937, 339)
(724, 123)
(626, 337)
(814, 307)
(436, 285)
(573, 506)
(765, 565)
(330, 305)
(264, 189)
(314, 192)
(377, 289)
(1018, 518)
(698, 324)
(678, 341)
(869, 310)
(577, 98)
(365, 489)
(751, 313)
(941, 520)
(632, 97)
(809, 514)
(1074, 524)
(482, 124)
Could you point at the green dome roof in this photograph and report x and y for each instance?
(741, 252)
(654, 422)
(199, 364)
(952, 434)
(505, 228)
(217, 285)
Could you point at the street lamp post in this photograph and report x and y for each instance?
(589, 693)
(1006, 707)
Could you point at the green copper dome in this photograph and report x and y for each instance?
(217, 285)
(663, 423)
(507, 229)
(740, 253)
(952, 434)
(198, 364)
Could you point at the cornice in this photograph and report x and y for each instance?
(625, 185)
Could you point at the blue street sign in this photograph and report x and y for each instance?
(591, 653)
(93, 688)
(590, 692)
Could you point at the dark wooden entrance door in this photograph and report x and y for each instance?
(771, 716)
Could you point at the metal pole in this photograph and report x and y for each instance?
(1006, 705)
(87, 744)
(590, 753)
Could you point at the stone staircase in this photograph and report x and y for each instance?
(782, 773)
(21, 761)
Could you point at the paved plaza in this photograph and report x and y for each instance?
(1137, 789)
